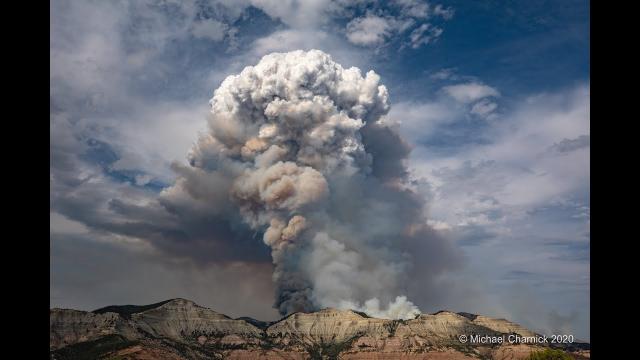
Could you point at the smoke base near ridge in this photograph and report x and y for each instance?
(299, 148)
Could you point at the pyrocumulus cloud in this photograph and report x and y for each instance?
(298, 146)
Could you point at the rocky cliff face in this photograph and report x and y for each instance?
(69, 327)
(181, 329)
(501, 326)
(180, 319)
(324, 326)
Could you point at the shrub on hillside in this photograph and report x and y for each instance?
(549, 354)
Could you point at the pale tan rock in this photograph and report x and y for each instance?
(443, 327)
(72, 326)
(179, 318)
(328, 325)
(502, 326)
(513, 352)
(180, 329)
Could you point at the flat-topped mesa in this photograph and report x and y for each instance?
(180, 318)
(327, 325)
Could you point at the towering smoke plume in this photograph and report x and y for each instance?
(298, 147)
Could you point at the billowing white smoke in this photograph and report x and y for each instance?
(400, 308)
(295, 139)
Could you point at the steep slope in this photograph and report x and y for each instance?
(443, 327)
(502, 326)
(68, 327)
(181, 329)
(179, 319)
(324, 326)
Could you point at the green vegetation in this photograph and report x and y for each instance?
(329, 350)
(391, 327)
(127, 310)
(91, 350)
(364, 315)
(549, 354)
(257, 323)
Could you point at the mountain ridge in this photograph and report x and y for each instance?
(181, 329)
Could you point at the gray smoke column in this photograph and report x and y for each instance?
(298, 146)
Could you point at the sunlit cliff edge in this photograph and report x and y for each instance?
(181, 329)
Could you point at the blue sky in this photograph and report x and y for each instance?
(492, 95)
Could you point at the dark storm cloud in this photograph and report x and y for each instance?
(86, 193)
(219, 209)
